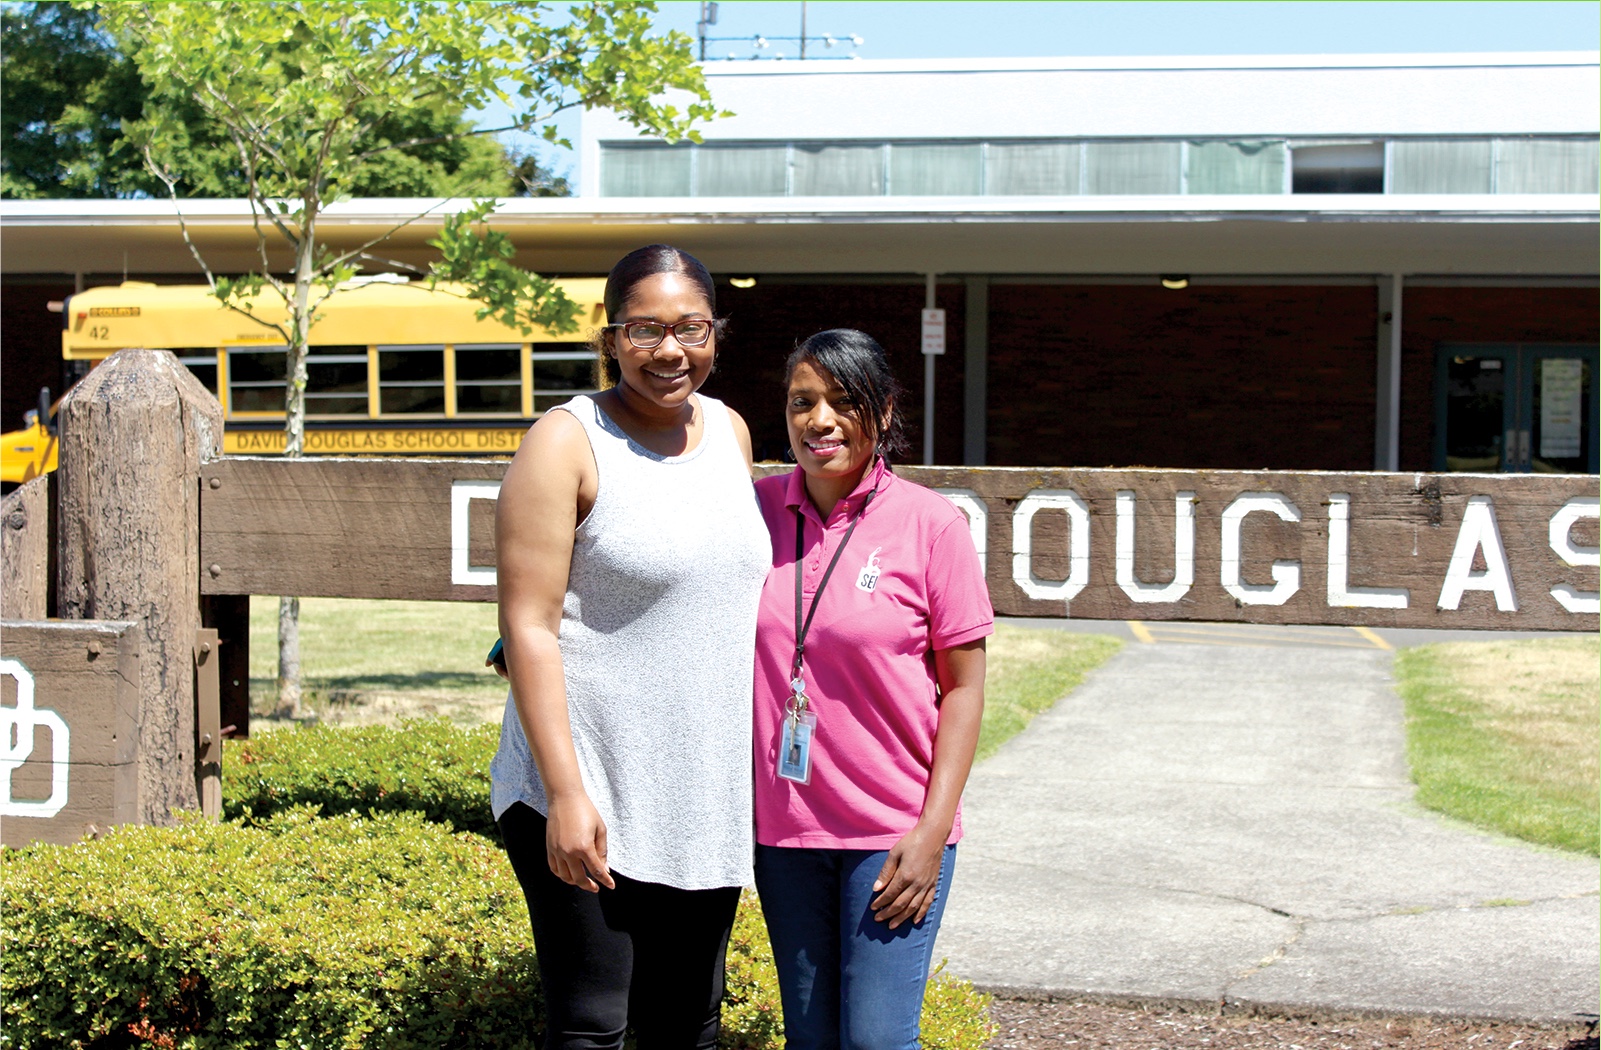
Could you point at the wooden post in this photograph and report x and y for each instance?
(25, 551)
(134, 434)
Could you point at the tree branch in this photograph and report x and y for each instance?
(247, 159)
(361, 250)
(183, 227)
(455, 135)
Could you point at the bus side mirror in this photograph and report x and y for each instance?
(41, 416)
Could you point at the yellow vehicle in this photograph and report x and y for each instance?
(394, 368)
(31, 451)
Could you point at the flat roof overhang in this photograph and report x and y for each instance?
(1279, 235)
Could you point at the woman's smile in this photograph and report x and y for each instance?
(825, 446)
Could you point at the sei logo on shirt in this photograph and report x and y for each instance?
(869, 576)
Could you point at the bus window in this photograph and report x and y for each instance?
(489, 379)
(561, 373)
(256, 378)
(411, 380)
(203, 363)
(336, 381)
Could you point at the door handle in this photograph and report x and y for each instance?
(1523, 449)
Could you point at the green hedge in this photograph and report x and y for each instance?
(363, 928)
(383, 932)
(426, 765)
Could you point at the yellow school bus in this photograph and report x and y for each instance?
(394, 367)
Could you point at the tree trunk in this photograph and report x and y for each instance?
(288, 659)
(289, 695)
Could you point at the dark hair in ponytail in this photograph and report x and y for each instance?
(859, 365)
(630, 270)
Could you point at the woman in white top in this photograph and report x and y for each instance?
(631, 556)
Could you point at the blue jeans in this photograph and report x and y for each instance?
(848, 982)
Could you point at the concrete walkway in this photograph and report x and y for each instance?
(1234, 824)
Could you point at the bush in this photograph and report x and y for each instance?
(442, 774)
(425, 765)
(385, 932)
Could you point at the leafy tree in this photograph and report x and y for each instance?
(66, 89)
(535, 179)
(315, 96)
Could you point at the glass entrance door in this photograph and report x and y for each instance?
(1516, 408)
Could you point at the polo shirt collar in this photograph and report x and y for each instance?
(877, 476)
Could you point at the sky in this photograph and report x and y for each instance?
(1035, 28)
(993, 28)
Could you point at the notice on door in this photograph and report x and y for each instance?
(1561, 394)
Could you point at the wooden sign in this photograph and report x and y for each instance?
(1380, 550)
(69, 741)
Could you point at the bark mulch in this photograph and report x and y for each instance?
(1030, 1024)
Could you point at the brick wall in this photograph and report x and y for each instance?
(1206, 377)
(767, 321)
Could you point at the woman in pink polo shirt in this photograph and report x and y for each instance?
(869, 694)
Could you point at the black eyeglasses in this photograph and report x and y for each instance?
(648, 335)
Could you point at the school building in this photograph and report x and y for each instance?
(1304, 263)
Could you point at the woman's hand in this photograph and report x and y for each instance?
(575, 844)
(909, 877)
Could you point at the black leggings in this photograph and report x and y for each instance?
(643, 955)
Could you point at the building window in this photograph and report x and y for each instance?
(837, 171)
(1462, 166)
(1235, 167)
(1546, 165)
(741, 171)
(1123, 167)
(1347, 167)
(1143, 168)
(1020, 169)
(652, 170)
(922, 170)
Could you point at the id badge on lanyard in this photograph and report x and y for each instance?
(795, 742)
(800, 725)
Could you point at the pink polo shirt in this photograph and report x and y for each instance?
(908, 583)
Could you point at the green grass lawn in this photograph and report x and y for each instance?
(376, 662)
(366, 662)
(1504, 735)
(1028, 670)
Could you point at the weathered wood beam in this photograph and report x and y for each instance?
(71, 691)
(1382, 550)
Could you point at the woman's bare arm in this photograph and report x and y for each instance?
(906, 884)
(549, 487)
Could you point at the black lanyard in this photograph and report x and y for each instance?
(801, 628)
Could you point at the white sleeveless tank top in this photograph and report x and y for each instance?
(657, 642)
